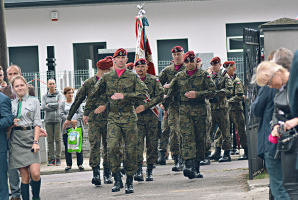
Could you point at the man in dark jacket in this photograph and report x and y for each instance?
(6, 120)
(263, 107)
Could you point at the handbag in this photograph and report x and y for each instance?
(74, 140)
(286, 141)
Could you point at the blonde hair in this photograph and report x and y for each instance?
(265, 72)
(17, 78)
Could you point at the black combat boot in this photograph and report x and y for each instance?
(176, 168)
(206, 161)
(139, 173)
(189, 170)
(181, 163)
(96, 176)
(216, 155)
(226, 157)
(129, 185)
(107, 177)
(245, 155)
(198, 173)
(149, 176)
(118, 182)
(162, 158)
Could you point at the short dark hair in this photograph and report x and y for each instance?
(20, 71)
(67, 89)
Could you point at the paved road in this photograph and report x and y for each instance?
(221, 181)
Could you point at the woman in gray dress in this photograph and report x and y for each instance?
(23, 141)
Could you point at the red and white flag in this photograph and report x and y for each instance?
(140, 48)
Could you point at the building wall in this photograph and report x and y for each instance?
(202, 22)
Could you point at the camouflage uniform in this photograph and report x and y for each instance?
(236, 110)
(219, 112)
(208, 127)
(165, 77)
(148, 121)
(193, 112)
(122, 118)
(97, 123)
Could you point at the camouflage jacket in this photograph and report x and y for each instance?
(129, 84)
(167, 75)
(200, 82)
(83, 93)
(155, 91)
(235, 102)
(224, 88)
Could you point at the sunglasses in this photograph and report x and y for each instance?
(192, 61)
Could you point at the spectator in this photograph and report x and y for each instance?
(23, 141)
(271, 54)
(50, 103)
(64, 108)
(6, 120)
(1, 76)
(283, 57)
(276, 76)
(3, 84)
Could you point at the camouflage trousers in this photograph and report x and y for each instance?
(193, 131)
(237, 117)
(147, 127)
(164, 140)
(96, 131)
(208, 132)
(222, 138)
(127, 131)
(175, 136)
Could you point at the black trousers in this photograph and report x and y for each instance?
(290, 174)
(68, 156)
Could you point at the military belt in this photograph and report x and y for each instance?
(193, 103)
(125, 109)
(23, 128)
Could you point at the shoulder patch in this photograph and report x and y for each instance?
(208, 76)
(229, 77)
(157, 80)
(238, 83)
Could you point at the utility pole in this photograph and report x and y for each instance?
(3, 42)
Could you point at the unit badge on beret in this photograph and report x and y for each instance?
(139, 62)
(188, 59)
(120, 53)
(212, 63)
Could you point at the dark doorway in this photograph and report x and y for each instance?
(164, 47)
(83, 51)
(25, 57)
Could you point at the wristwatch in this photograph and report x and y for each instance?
(35, 142)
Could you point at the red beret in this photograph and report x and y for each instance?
(109, 57)
(215, 60)
(177, 49)
(130, 66)
(104, 64)
(172, 62)
(120, 52)
(141, 61)
(188, 56)
(228, 63)
(198, 60)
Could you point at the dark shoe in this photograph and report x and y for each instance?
(129, 185)
(58, 162)
(216, 155)
(51, 162)
(206, 161)
(234, 152)
(67, 168)
(35, 199)
(139, 174)
(81, 168)
(176, 167)
(198, 173)
(107, 176)
(226, 157)
(118, 182)
(149, 176)
(245, 155)
(189, 170)
(96, 176)
(162, 159)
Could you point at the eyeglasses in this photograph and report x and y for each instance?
(192, 61)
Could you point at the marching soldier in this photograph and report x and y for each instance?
(236, 109)
(194, 86)
(147, 120)
(219, 109)
(122, 88)
(165, 77)
(199, 63)
(97, 123)
(206, 161)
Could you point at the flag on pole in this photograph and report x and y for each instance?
(143, 49)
